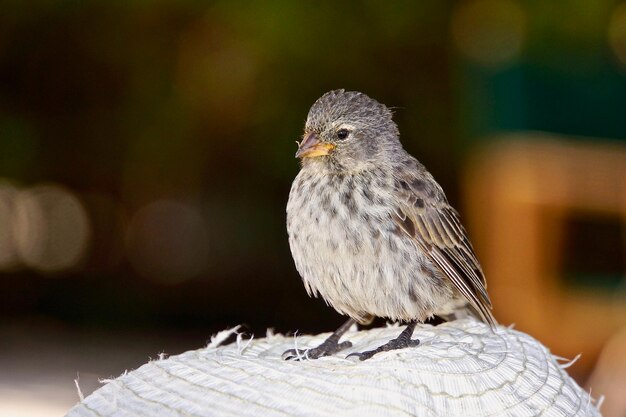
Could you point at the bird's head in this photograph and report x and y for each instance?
(347, 131)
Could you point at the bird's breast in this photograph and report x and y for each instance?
(339, 214)
(347, 248)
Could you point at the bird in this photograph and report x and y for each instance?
(371, 231)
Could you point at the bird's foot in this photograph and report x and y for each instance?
(400, 342)
(327, 348)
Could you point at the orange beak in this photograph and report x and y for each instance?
(311, 147)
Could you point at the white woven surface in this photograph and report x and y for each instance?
(460, 369)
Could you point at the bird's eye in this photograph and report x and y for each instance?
(342, 134)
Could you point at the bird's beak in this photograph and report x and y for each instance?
(311, 147)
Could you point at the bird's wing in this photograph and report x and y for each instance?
(425, 215)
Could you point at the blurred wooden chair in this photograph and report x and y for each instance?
(519, 193)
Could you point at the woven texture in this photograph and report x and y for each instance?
(459, 369)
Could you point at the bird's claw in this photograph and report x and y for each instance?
(325, 349)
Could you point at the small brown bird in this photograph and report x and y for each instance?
(371, 231)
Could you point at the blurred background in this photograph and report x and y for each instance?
(147, 150)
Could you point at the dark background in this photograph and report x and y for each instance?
(147, 148)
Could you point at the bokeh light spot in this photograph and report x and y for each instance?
(490, 33)
(168, 241)
(50, 227)
(216, 72)
(617, 33)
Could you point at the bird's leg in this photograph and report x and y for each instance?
(400, 342)
(328, 347)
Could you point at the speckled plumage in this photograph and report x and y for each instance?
(370, 229)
